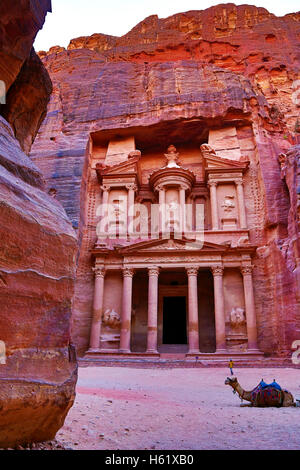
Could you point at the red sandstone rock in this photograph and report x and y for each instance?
(219, 66)
(36, 288)
(26, 81)
(27, 100)
(38, 369)
(20, 22)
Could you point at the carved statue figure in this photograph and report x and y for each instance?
(172, 157)
(228, 203)
(237, 316)
(111, 319)
(207, 151)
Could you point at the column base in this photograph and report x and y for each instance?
(124, 351)
(152, 351)
(193, 352)
(93, 350)
(254, 351)
(222, 351)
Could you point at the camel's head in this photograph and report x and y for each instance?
(231, 381)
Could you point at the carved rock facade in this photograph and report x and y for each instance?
(230, 107)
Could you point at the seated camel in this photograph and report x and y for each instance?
(266, 395)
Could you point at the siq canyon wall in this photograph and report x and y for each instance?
(38, 369)
(227, 75)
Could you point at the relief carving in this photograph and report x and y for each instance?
(237, 317)
(207, 151)
(111, 319)
(228, 204)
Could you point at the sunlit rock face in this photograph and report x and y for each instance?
(228, 76)
(25, 80)
(38, 369)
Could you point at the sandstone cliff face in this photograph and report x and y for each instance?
(223, 65)
(38, 369)
(27, 84)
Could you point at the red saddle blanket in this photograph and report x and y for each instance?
(268, 396)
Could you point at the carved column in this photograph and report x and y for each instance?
(130, 207)
(219, 308)
(162, 208)
(153, 273)
(97, 307)
(241, 203)
(126, 310)
(250, 307)
(214, 205)
(182, 210)
(193, 328)
(104, 209)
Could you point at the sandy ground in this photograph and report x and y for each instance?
(177, 409)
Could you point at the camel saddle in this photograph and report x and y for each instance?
(267, 394)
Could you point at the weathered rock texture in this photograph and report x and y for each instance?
(38, 367)
(223, 66)
(26, 82)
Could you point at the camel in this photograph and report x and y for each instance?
(256, 397)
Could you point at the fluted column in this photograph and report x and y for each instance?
(241, 203)
(126, 310)
(214, 205)
(250, 308)
(182, 210)
(162, 208)
(130, 207)
(193, 324)
(97, 307)
(153, 273)
(219, 308)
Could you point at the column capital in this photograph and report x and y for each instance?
(212, 184)
(217, 270)
(105, 187)
(131, 186)
(99, 271)
(192, 270)
(246, 270)
(239, 181)
(160, 187)
(128, 272)
(153, 270)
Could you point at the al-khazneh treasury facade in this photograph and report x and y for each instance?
(173, 259)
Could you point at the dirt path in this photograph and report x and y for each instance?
(124, 408)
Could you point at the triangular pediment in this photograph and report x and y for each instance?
(215, 162)
(169, 245)
(124, 168)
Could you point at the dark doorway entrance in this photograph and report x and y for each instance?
(174, 320)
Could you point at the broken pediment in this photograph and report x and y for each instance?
(128, 168)
(168, 245)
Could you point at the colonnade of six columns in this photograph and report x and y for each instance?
(193, 327)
